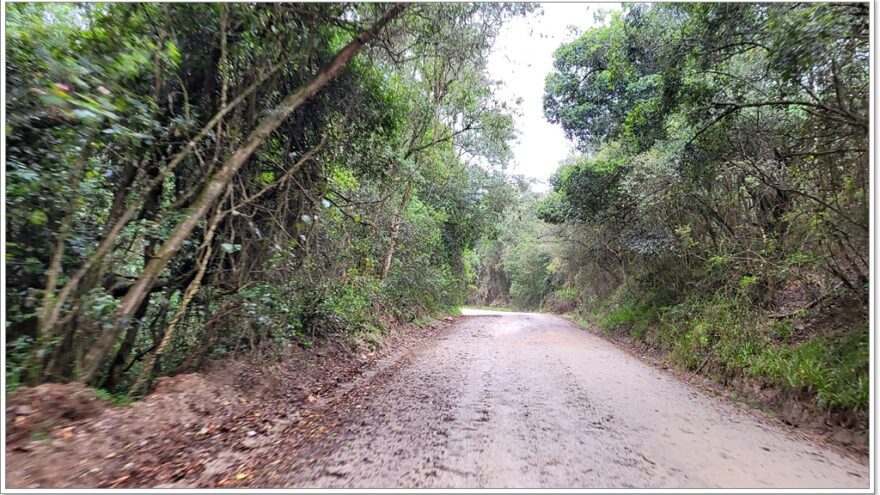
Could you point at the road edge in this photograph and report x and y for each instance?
(761, 412)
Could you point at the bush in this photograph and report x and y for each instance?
(623, 312)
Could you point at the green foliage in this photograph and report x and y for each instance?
(118, 399)
(515, 268)
(632, 317)
(39, 434)
(17, 352)
(721, 335)
(835, 370)
(718, 330)
(587, 189)
(716, 186)
(351, 302)
(569, 294)
(103, 99)
(686, 112)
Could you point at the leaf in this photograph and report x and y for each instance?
(172, 51)
(230, 248)
(241, 476)
(267, 177)
(86, 114)
(306, 218)
(53, 100)
(26, 175)
(38, 217)
(325, 203)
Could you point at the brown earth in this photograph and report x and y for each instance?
(192, 427)
(494, 400)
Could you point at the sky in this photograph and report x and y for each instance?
(521, 58)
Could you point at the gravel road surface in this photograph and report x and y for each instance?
(529, 400)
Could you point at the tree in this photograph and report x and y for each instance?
(212, 178)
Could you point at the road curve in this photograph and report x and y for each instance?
(525, 400)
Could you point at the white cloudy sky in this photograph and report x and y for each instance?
(521, 58)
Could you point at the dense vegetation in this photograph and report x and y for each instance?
(188, 182)
(191, 181)
(719, 207)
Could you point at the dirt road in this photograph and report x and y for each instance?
(529, 400)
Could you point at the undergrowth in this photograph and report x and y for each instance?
(116, 399)
(723, 337)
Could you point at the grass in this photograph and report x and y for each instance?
(39, 434)
(582, 318)
(118, 399)
(372, 335)
(836, 371)
(369, 337)
(636, 318)
(722, 337)
(619, 312)
(505, 309)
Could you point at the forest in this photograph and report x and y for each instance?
(193, 182)
(717, 210)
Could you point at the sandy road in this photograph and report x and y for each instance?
(529, 400)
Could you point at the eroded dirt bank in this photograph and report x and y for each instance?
(212, 429)
(494, 400)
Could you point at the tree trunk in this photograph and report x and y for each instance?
(118, 219)
(117, 366)
(395, 230)
(217, 183)
(55, 271)
(146, 379)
